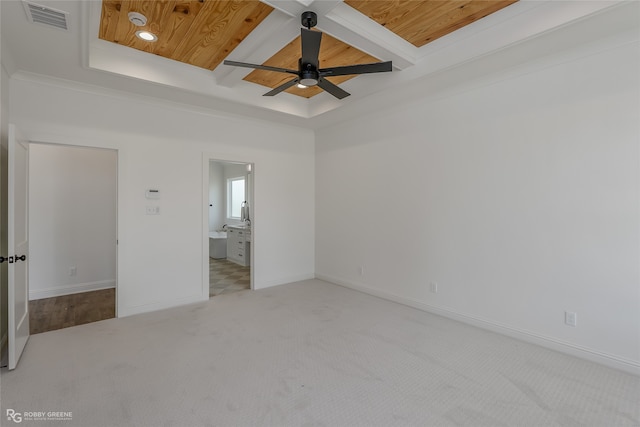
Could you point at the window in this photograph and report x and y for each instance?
(235, 197)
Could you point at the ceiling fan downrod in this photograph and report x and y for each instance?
(309, 19)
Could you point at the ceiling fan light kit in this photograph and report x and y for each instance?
(309, 78)
(309, 72)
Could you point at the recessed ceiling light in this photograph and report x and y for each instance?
(146, 35)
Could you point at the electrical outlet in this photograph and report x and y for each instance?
(72, 271)
(153, 210)
(433, 286)
(570, 318)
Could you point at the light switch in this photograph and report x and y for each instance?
(152, 194)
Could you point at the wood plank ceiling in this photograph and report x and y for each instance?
(204, 32)
(421, 22)
(197, 32)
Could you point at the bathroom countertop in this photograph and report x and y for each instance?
(240, 227)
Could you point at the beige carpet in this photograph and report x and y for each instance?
(307, 354)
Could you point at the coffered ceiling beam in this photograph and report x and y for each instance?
(352, 27)
(277, 30)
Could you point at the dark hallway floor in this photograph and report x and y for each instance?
(48, 314)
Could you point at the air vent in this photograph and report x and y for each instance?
(46, 15)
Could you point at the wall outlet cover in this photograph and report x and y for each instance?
(570, 318)
(153, 210)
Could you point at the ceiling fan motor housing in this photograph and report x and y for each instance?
(309, 19)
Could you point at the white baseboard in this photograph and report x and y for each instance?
(609, 360)
(284, 280)
(161, 305)
(70, 289)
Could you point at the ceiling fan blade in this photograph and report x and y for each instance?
(377, 67)
(332, 89)
(259, 67)
(310, 46)
(282, 87)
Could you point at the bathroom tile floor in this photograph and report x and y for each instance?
(226, 277)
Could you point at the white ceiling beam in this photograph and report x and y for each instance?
(274, 32)
(359, 31)
(350, 26)
(294, 8)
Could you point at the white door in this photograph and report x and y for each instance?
(18, 235)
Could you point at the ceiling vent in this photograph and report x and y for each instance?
(46, 15)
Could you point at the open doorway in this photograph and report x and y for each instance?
(72, 228)
(230, 231)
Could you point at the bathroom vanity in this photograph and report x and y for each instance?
(239, 244)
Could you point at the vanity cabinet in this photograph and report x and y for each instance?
(238, 245)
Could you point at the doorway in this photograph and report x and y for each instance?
(230, 216)
(72, 222)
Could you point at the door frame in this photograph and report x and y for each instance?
(117, 199)
(206, 158)
(18, 332)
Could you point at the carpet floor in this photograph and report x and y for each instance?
(307, 354)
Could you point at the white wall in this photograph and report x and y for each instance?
(162, 258)
(518, 196)
(216, 196)
(72, 219)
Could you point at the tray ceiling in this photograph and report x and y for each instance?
(205, 32)
(99, 48)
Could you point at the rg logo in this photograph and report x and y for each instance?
(14, 416)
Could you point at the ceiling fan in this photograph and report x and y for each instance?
(309, 72)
